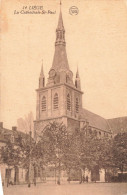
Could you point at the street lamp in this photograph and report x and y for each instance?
(29, 177)
(58, 154)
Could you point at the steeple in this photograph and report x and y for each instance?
(42, 77)
(60, 60)
(77, 80)
(60, 72)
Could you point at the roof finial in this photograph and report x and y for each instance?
(60, 5)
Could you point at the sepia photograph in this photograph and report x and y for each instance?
(63, 97)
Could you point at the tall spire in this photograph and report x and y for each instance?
(60, 60)
(60, 21)
(42, 77)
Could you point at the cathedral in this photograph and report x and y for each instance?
(60, 99)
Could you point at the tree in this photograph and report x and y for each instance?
(120, 151)
(54, 139)
(87, 151)
(26, 124)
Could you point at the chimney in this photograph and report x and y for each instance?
(1, 124)
(14, 128)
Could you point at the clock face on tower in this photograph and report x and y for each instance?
(52, 73)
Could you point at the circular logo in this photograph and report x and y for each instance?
(73, 10)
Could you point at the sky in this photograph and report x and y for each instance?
(96, 42)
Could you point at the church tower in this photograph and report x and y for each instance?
(59, 99)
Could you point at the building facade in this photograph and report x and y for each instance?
(60, 99)
(11, 174)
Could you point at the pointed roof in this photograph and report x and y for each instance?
(60, 61)
(77, 73)
(60, 21)
(42, 72)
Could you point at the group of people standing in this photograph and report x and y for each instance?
(85, 179)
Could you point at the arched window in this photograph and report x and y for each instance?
(55, 101)
(77, 105)
(68, 102)
(43, 104)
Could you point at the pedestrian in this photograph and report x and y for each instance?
(83, 178)
(35, 181)
(87, 178)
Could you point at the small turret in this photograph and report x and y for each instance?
(77, 80)
(42, 78)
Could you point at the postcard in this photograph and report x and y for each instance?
(63, 97)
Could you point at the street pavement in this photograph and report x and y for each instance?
(69, 189)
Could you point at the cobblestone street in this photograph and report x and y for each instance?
(69, 189)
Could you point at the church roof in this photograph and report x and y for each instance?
(119, 124)
(95, 120)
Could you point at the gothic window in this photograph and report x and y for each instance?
(77, 105)
(43, 104)
(68, 102)
(55, 101)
